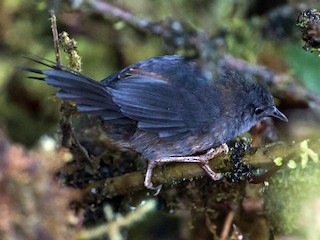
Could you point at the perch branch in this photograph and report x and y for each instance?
(173, 173)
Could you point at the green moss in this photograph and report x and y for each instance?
(290, 200)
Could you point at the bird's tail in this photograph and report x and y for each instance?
(90, 96)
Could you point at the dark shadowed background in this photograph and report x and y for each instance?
(32, 203)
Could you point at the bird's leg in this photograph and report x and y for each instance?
(203, 160)
(147, 180)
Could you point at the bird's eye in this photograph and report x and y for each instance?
(258, 111)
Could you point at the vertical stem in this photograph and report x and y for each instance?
(55, 35)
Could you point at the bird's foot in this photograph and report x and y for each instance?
(223, 148)
(204, 160)
(147, 181)
(215, 176)
(150, 186)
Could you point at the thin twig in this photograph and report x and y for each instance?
(117, 222)
(69, 139)
(227, 225)
(55, 35)
(65, 122)
(119, 13)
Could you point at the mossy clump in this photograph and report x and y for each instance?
(292, 199)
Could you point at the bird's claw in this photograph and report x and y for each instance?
(157, 188)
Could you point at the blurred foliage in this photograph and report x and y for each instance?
(298, 60)
(292, 200)
(32, 204)
(261, 32)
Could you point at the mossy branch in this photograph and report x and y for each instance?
(170, 174)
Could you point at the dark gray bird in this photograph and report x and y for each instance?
(166, 108)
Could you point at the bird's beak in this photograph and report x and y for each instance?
(274, 112)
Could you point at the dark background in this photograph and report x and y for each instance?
(259, 32)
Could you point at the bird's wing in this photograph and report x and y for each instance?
(160, 107)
